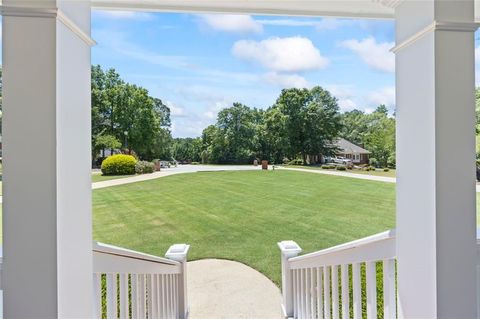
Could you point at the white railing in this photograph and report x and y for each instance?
(319, 284)
(129, 284)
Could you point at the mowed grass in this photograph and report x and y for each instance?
(101, 178)
(242, 215)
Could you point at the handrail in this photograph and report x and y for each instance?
(138, 283)
(123, 252)
(317, 284)
(386, 235)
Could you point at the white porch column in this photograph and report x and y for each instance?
(436, 158)
(47, 240)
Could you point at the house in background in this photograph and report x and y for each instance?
(347, 149)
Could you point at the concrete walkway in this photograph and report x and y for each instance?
(344, 174)
(223, 289)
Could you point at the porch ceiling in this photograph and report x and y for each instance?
(334, 8)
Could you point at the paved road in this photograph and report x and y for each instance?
(224, 289)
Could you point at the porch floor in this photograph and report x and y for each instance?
(228, 289)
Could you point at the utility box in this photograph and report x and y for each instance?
(265, 165)
(255, 163)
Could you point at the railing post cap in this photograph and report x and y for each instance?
(289, 248)
(178, 252)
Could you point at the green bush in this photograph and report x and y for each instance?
(341, 168)
(195, 163)
(373, 162)
(326, 167)
(296, 162)
(119, 164)
(144, 167)
(386, 169)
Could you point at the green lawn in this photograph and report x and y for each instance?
(101, 178)
(242, 215)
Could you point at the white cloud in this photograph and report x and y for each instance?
(231, 23)
(384, 96)
(289, 22)
(292, 54)
(176, 110)
(344, 95)
(376, 55)
(130, 15)
(286, 81)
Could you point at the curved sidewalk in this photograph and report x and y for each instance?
(224, 289)
(344, 174)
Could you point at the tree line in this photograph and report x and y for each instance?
(125, 116)
(300, 123)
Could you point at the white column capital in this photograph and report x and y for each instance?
(47, 12)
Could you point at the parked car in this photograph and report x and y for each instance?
(164, 164)
(342, 160)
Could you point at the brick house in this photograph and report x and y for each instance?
(357, 154)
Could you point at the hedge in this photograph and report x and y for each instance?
(119, 164)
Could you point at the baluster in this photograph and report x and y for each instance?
(307, 293)
(112, 299)
(153, 298)
(295, 292)
(134, 296)
(97, 295)
(335, 299)
(326, 284)
(164, 297)
(159, 296)
(175, 295)
(124, 311)
(389, 306)
(357, 291)
(169, 296)
(299, 292)
(345, 293)
(142, 300)
(320, 292)
(148, 284)
(371, 273)
(313, 295)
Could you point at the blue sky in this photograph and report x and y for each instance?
(198, 64)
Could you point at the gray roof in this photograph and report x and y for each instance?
(347, 147)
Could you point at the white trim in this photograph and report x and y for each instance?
(75, 28)
(389, 3)
(331, 8)
(48, 13)
(437, 26)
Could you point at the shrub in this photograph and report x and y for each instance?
(144, 167)
(195, 163)
(386, 169)
(326, 167)
(119, 164)
(341, 168)
(296, 162)
(373, 162)
(332, 166)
